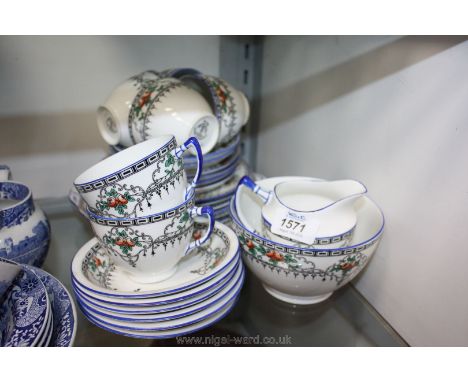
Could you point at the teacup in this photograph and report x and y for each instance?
(147, 105)
(5, 173)
(230, 105)
(140, 180)
(309, 211)
(150, 247)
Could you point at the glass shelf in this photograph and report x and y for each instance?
(345, 319)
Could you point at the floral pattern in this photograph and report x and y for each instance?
(213, 255)
(225, 104)
(150, 92)
(23, 312)
(129, 243)
(340, 271)
(123, 200)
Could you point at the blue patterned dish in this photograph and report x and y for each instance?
(24, 311)
(63, 309)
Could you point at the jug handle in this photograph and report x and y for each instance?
(5, 173)
(249, 183)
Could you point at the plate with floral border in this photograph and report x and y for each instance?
(24, 311)
(157, 307)
(92, 267)
(63, 308)
(129, 318)
(166, 325)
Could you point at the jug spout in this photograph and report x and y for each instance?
(346, 192)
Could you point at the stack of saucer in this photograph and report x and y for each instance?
(203, 290)
(35, 308)
(151, 271)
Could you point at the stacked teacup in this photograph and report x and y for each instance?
(148, 251)
(184, 102)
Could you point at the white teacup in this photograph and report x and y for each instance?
(229, 104)
(150, 247)
(147, 105)
(141, 180)
(309, 211)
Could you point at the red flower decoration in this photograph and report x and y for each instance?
(97, 261)
(275, 256)
(250, 244)
(197, 235)
(144, 99)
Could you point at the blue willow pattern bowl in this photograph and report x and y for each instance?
(24, 229)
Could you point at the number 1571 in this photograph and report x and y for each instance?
(292, 225)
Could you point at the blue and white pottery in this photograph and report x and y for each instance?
(24, 228)
(302, 275)
(147, 106)
(8, 273)
(47, 335)
(160, 304)
(93, 269)
(170, 324)
(130, 318)
(150, 248)
(24, 311)
(141, 180)
(63, 310)
(171, 333)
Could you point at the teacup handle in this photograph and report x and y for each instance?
(192, 141)
(5, 173)
(209, 213)
(249, 183)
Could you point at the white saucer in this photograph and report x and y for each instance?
(157, 306)
(131, 319)
(201, 265)
(171, 324)
(208, 321)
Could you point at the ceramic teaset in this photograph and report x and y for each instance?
(183, 102)
(303, 237)
(159, 266)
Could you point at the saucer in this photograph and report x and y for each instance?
(225, 189)
(215, 156)
(208, 321)
(158, 306)
(170, 324)
(130, 318)
(92, 269)
(45, 339)
(24, 312)
(63, 308)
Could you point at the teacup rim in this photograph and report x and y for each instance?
(166, 139)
